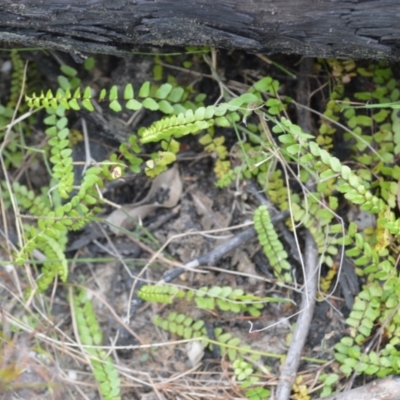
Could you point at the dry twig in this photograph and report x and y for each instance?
(381, 389)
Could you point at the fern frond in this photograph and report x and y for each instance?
(17, 77)
(365, 312)
(185, 123)
(353, 188)
(216, 146)
(272, 246)
(90, 334)
(374, 307)
(164, 98)
(160, 293)
(182, 325)
(26, 199)
(56, 264)
(342, 70)
(275, 188)
(61, 154)
(317, 218)
(227, 299)
(209, 298)
(202, 118)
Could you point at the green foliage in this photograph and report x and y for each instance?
(225, 299)
(26, 199)
(17, 77)
(50, 234)
(160, 293)
(12, 147)
(372, 345)
(215, 145)
(61, 154)
(342, 71)
(365, 312)
(181, 325)
(222, 298)
(382, 122)
(271, 244)
(165, 98)
(51, 239)
(328, 380)
(318, 220)
(185, 327)
(258, 393)
(90, 334)
(374, 307)
(272, 151)
(189, 122)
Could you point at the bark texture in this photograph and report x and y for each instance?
(381, 389)
(323, 28)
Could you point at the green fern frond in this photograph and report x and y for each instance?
(232, 175)
(376, 307)
(317, 218)
(365, 312)
(272, 246)
(164, 98)
(182, 326)
(342, 70)
(223, 298)
(361, 252)
(184, 123)
(160, 293)
(17, 77)
(26, 199)
(56, 264)
(61, 154)
(185, 327)
(51, 231)
(227, 299)
(349, 183)
(202, 118)
(90, 334)
(275, 188)
(215, 145)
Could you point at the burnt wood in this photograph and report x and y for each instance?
(323, 28)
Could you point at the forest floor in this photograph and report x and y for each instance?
(40, 350)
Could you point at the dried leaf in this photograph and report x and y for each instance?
(165, 192)
(195, 352)
(203, 207)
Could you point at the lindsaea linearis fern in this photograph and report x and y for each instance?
(259, 156)
(90, 334)
(79, 208)
(224, 299)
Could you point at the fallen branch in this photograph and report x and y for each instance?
(288, 374)
(381, 389)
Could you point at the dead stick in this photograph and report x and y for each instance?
(288, 374)
(381, 389)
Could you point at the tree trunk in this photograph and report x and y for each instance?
(324, 28)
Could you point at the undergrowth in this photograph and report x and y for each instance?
(271, 149)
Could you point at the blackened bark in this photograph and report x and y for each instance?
(323, 28)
